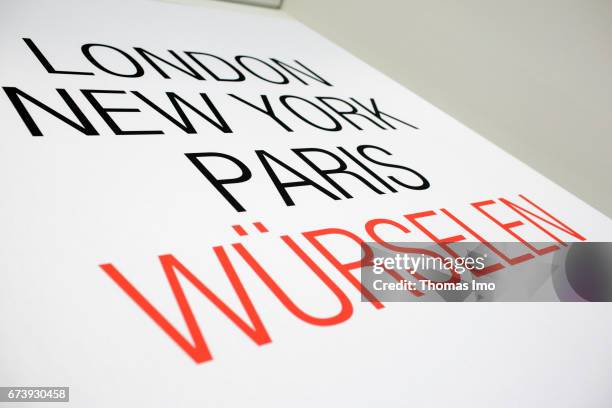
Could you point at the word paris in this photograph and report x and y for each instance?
(357, 169)
(327, 113)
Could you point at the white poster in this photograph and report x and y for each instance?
(185, 194)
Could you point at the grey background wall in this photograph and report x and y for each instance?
(534, 77)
